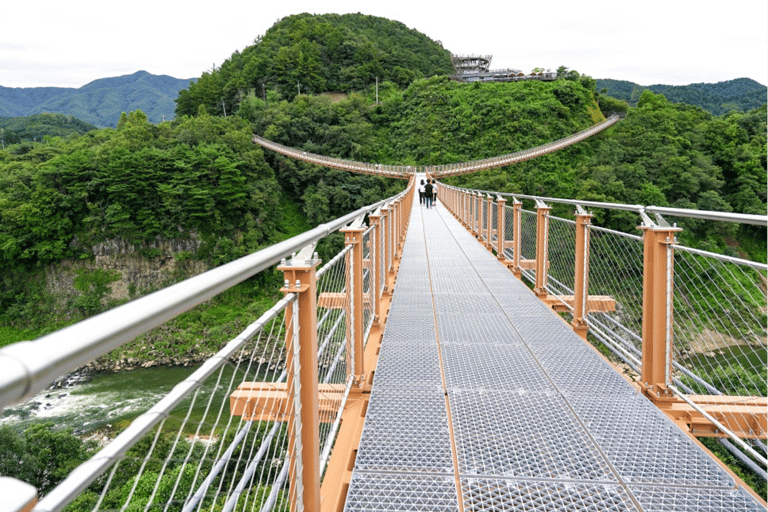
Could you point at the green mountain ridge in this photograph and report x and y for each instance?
(99, 102)
(740, 94)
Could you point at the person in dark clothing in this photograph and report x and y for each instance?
(421, 192)
(434, 192)
(428, 194)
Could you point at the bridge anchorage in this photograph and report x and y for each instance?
(444, 360)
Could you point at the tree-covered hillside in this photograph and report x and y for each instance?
(99, 102)
(741, 94)
(318, 53)
(14, 130)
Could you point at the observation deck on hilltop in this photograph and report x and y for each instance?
(476, 68)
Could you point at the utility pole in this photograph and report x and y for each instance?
(299, 86)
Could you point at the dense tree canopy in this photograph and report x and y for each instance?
(318, 53)
(14, 130)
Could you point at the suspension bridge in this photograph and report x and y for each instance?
(444, 360)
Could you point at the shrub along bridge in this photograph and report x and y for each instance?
(446, 359)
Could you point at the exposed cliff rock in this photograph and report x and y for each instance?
(140, 269)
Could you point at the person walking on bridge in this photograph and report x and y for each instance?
(434, 192)
(421, 192)
(428, 194)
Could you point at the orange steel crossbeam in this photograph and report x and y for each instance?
(745, 416)
(598, 303)
(268, 401)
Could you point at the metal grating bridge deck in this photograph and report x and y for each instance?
(484, 399)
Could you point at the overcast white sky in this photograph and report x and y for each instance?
(677, 42)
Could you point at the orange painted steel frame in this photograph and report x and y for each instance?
(581, 275)
(302, 281)
(542, 245)
(657, 306)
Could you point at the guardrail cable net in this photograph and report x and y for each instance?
(200, 457)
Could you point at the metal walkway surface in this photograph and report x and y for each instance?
(484, 399)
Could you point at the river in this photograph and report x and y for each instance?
(88, 402)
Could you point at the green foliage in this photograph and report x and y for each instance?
(140, 182)
(99, 102)
(317, 53)
(343, 129)
(198, 177)
(741, 94)
(742, 470)
(438, 121)
(42, 456)
(93, 286)
(14, 130)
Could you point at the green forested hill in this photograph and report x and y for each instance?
(13, 130)
(99, 102)
(741, 94)
(318, 53)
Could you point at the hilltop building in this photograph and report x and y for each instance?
(476, 68)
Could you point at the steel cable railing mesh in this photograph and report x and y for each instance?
(509, 232)
(332, 329)
(495, 223)
(616, 270)
(200, 457)
(528, 242)
(380, 269)
(368, 284)
(562, 260)
(483, 219)
(719, 324)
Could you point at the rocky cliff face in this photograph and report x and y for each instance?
(141, 269)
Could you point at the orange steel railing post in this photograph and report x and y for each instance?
(658, 263)
(301, 365)
(516, 223)
(353, 235)
(500, 227)
(581, 272)
(542, 246)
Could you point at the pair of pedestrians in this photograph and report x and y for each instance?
(428, 193)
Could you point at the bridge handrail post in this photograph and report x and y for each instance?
(500, 227)
(581, 273)
(542, 246)
(658, 278)
(301, 365)
(353, 235)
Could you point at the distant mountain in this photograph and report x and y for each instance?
(741, 94)
(99, 102)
